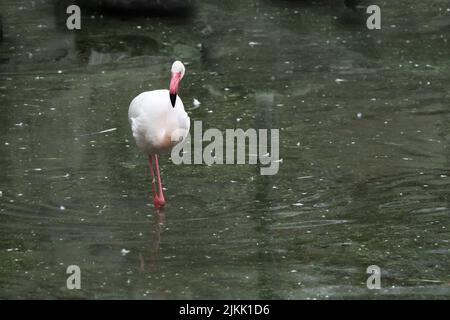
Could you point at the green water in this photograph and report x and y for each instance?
(352, 191)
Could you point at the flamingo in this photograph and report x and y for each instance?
(158, 122)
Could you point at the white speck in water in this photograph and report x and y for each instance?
(253, 43)
(62, 208)
(138, 27)
(443, 176)
(37, 169)
(1, 193)
(338, 80)
(359, 115)
(124, 252)
(6, 143)
(298, 204)
(59, 71)
(196, 103)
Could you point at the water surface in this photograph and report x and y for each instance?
(364, 132)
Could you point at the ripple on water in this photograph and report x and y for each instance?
(306, 224)
(420, 192)
(434, 211)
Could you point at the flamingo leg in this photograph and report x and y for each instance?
(158, 199)
(161, 194)
(150, 163)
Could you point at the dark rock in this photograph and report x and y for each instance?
(144, 7)
(351, 3)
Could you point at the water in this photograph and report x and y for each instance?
(364, 122)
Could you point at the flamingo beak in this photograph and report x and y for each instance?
(173, 87)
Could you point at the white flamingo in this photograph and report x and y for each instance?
(158, 122)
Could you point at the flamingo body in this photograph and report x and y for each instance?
(157, 126)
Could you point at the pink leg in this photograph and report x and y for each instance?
(158, 200)
(161, 194)
(150, 163)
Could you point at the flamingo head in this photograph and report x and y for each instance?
(177, 74)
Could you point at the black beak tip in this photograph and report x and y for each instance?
(173, 98)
